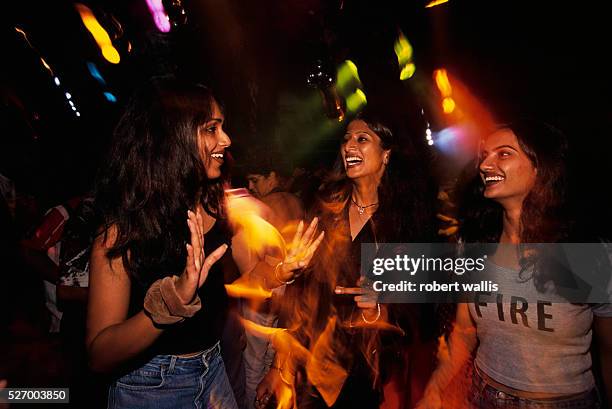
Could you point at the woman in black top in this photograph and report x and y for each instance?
(377, 194)
(157, 303)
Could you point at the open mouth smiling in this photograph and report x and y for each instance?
(353, 161)
(493, 179)
(218, 156)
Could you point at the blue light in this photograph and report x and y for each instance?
(93, 70)
(110, 97)
(447, 140)
(457, 141)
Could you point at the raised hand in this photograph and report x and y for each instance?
(302, 249)
(198, 265)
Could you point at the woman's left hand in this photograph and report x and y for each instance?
(198, 264)
(365, 298)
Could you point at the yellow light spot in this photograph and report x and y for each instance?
(442, 82)
(99, 34)
(435, 3)
(111, 54)
(356, 100)
(407, 72)
(448, 105)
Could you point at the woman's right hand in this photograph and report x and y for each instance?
(198, 265)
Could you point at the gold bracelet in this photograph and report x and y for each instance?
(375, 319)
(276, 275)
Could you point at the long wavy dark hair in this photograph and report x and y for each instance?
(153, 174)
(547, 214)
(406, 213)
(407, 192)
(544, 216)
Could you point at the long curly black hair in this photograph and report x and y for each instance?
(153, 174)
(544, 217)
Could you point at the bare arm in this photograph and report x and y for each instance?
(461, 344)
(111, 338)
(603, 331)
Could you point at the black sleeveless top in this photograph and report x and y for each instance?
(204, 329)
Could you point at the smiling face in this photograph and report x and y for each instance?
(362, 152)
(212, 142)
(506, 171)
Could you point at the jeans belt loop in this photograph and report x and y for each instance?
(173, 359)
(208, 353)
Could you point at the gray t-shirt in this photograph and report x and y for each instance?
(531, 341)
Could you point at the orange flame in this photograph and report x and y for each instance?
(247, 214)
(323, 368)
(244, 290)
(443, 83)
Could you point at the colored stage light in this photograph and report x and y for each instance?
(160, 17)
(109, 52)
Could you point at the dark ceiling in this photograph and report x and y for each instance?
(550, 62)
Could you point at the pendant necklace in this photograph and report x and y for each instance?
(361, 209)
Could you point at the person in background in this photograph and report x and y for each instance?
(41, 252)
(266, 181)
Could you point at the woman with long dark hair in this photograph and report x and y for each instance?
(157, 303)
(377, 193)
(542, 358)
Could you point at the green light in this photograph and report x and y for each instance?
(356, 100)
(407, 72)
(403, 50)
(347, 77)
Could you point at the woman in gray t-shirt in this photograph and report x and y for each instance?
(529, 352)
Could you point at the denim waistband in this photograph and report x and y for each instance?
(200, 359)
(491, 394)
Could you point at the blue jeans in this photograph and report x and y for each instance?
(169, 381)
(483, 395)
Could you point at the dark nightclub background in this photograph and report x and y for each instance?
(548, 62)
(280, 68)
